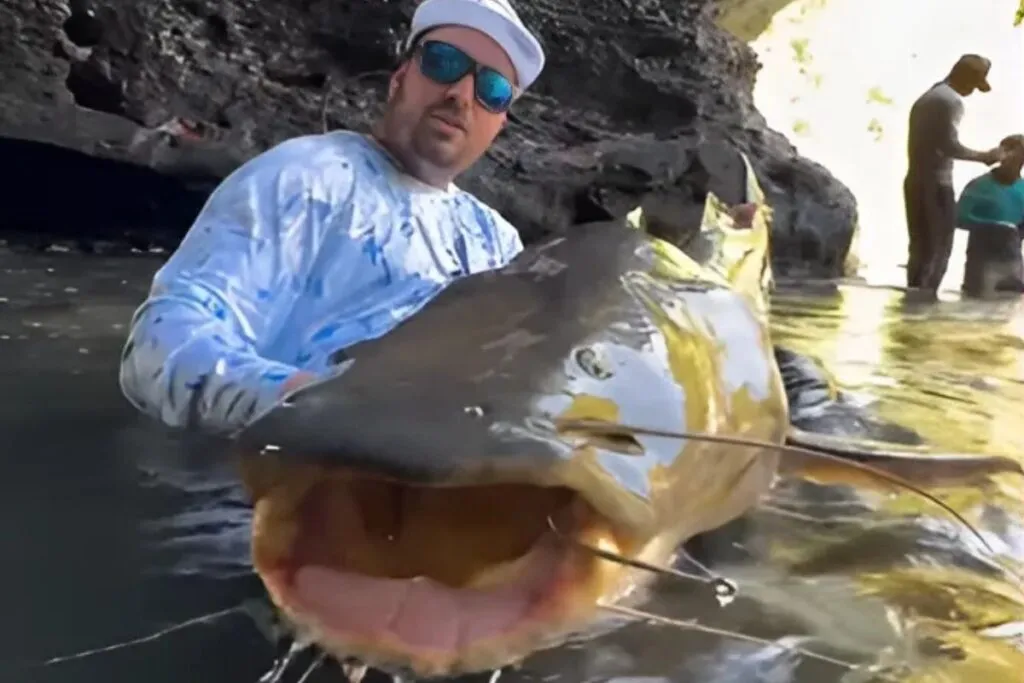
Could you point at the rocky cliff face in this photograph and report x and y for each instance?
(144, 104)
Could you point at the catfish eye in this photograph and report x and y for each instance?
(592, 363)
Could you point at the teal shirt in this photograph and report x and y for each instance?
(986, 200)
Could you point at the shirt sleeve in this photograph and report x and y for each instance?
(193, 355)
(946, 125)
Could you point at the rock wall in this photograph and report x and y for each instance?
(144, 104)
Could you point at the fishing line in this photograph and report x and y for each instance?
(195, 621)
(724, 588)
(246, 608)
(692, 625)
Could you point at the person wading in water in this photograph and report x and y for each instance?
(933, 142)
(991, 207)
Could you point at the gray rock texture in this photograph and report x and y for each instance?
(142, 105)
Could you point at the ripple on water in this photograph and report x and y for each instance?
(828, 569)
(951, 370)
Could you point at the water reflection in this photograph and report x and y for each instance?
(116, 528)
(952, 371)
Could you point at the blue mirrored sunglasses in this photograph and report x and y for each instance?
(446, 64)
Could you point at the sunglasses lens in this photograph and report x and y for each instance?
(444, 63)
(493, 90)
(447, 64)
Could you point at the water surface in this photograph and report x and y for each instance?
(116, 528)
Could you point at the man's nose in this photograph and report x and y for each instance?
(462, 90)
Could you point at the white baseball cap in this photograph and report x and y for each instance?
(495, 18)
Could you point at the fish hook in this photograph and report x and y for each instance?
(725, 590)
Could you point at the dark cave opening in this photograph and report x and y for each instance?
(93, 89)
(59, 195)
(83, 27)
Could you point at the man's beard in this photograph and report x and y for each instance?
(424, 145)
(435, 145)
(431, 145)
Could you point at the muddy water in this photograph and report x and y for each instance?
(114, 529)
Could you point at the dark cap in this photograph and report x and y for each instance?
(1012, 142)
(974, 68)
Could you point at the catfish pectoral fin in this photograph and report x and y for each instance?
(918, 467)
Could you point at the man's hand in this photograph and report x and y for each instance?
(993, 156)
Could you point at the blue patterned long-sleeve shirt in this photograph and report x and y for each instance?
(314, 245)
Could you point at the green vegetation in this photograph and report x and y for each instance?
(876, 96)
(875, 128)
(1019, 16)
(801, 53)
(803, 57)
(809, 8)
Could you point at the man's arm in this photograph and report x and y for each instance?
(947, 126)
(192, 358)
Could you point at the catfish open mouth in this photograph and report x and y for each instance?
(436, 580)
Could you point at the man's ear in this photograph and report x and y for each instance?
(396, 79)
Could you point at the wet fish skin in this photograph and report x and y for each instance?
(470, 389)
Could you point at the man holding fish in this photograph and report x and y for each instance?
(496, 473)
(326, 240)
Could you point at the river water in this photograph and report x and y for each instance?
(115, 529)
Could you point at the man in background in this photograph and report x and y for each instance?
(933, 143)
(991, 207)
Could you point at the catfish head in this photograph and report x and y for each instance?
(413, 510)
